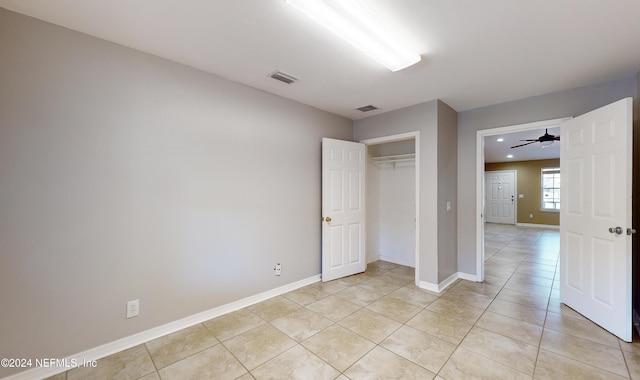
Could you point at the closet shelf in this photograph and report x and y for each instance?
(393, 159)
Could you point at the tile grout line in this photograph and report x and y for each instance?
(484, 311)
(334, 323)
(152, 361)
(544, 323)
(376, 345)
(566, 333)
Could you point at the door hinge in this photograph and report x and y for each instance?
(631, 231)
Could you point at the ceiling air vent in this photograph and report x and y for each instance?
(284, 77)
(367, 108)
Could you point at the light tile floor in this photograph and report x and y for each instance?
(378, 325)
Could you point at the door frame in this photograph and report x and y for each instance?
(415, 136)
(515, 192)
(480, 135)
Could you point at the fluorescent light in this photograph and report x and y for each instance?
(355, 24)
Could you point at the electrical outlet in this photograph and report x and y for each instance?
(277, 270)
(530, 216)
(133, 308)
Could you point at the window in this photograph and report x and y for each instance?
(551, 188)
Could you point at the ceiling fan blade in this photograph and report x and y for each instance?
(557, 138)
(532, 142)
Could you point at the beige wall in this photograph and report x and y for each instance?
(124, 176)
(529, 185)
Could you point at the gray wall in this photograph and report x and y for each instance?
(423, 118)
(551, 106)
(447, 189)
(127, 176)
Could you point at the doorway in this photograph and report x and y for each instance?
(480, 180)
(392, 202)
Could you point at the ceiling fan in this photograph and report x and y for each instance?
(544, 140)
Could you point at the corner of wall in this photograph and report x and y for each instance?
(447, 167)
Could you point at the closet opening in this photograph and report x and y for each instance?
(392, 202)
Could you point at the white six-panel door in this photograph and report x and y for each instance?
(595, 260)
(500, 196)
(343, 208)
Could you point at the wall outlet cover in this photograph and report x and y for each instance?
(133, 308)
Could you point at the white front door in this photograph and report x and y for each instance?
(343, 208)
(500, 193)
(595, 256)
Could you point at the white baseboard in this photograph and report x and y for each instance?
(428, 286)
(468, 277)
(156, 332)
(439, 288)
(534, 225)
(395, 260)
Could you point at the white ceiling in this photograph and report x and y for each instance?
(474, 53)
(495, 151)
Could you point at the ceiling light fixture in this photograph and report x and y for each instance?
(509, 155)
(545, 144)
(355, 24)
(499, 139)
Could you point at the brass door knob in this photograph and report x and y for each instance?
(327, 219)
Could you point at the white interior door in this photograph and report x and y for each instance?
(343, 208)
(595, 258)
(500, 196)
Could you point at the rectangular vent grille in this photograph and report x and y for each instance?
(284, 77)
(367, 108)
